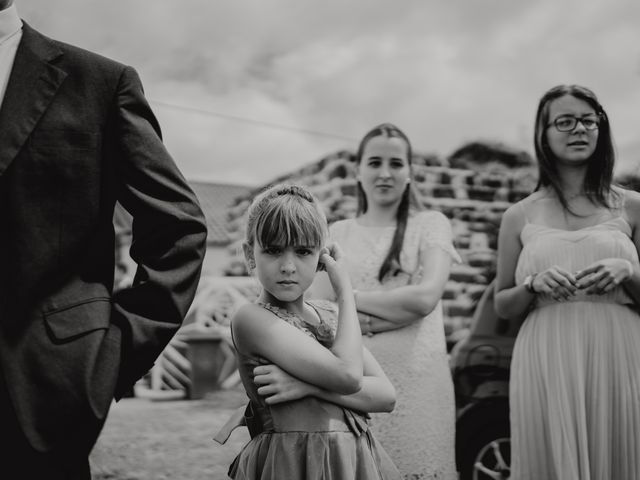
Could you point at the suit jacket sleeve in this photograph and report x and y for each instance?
(169, 234)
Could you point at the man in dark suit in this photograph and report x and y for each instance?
(77, 135)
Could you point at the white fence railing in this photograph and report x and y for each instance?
(216, 300)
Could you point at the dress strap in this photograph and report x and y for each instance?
(621, 202)
(524, 211)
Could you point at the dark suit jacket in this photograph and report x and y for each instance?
(76, 134)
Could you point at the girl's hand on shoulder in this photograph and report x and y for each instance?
(334, 262)
(557, 282)
(278, 386)
(604, 275)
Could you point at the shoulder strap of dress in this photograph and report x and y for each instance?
(524, 211)
(327, 312)
(622, 200)
(620, 197)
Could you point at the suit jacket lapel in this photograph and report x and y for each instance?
(32, 85)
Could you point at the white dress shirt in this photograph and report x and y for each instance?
(10, 35)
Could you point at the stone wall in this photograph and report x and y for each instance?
(473, 196)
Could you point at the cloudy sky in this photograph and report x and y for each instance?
(246, 90)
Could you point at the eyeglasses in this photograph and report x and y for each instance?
(566, 123)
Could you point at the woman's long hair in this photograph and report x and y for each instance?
(599, 176)
(409, 200)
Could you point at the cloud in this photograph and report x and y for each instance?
(446, 72)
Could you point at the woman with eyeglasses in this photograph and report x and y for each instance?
(568, 265)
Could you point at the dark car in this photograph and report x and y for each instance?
(480, 367)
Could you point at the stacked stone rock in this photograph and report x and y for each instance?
(472, 195)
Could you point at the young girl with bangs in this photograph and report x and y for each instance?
(309, 380)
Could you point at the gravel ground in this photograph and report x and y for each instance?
(165, 440)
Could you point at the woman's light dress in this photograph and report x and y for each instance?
(419, 434)
(575, 374)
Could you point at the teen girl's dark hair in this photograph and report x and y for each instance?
(599, 176)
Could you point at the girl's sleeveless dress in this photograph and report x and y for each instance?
(575, 374)
(307, 439)
(419, 434)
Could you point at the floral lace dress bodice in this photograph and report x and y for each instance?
(324, 331)
(367, 247)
